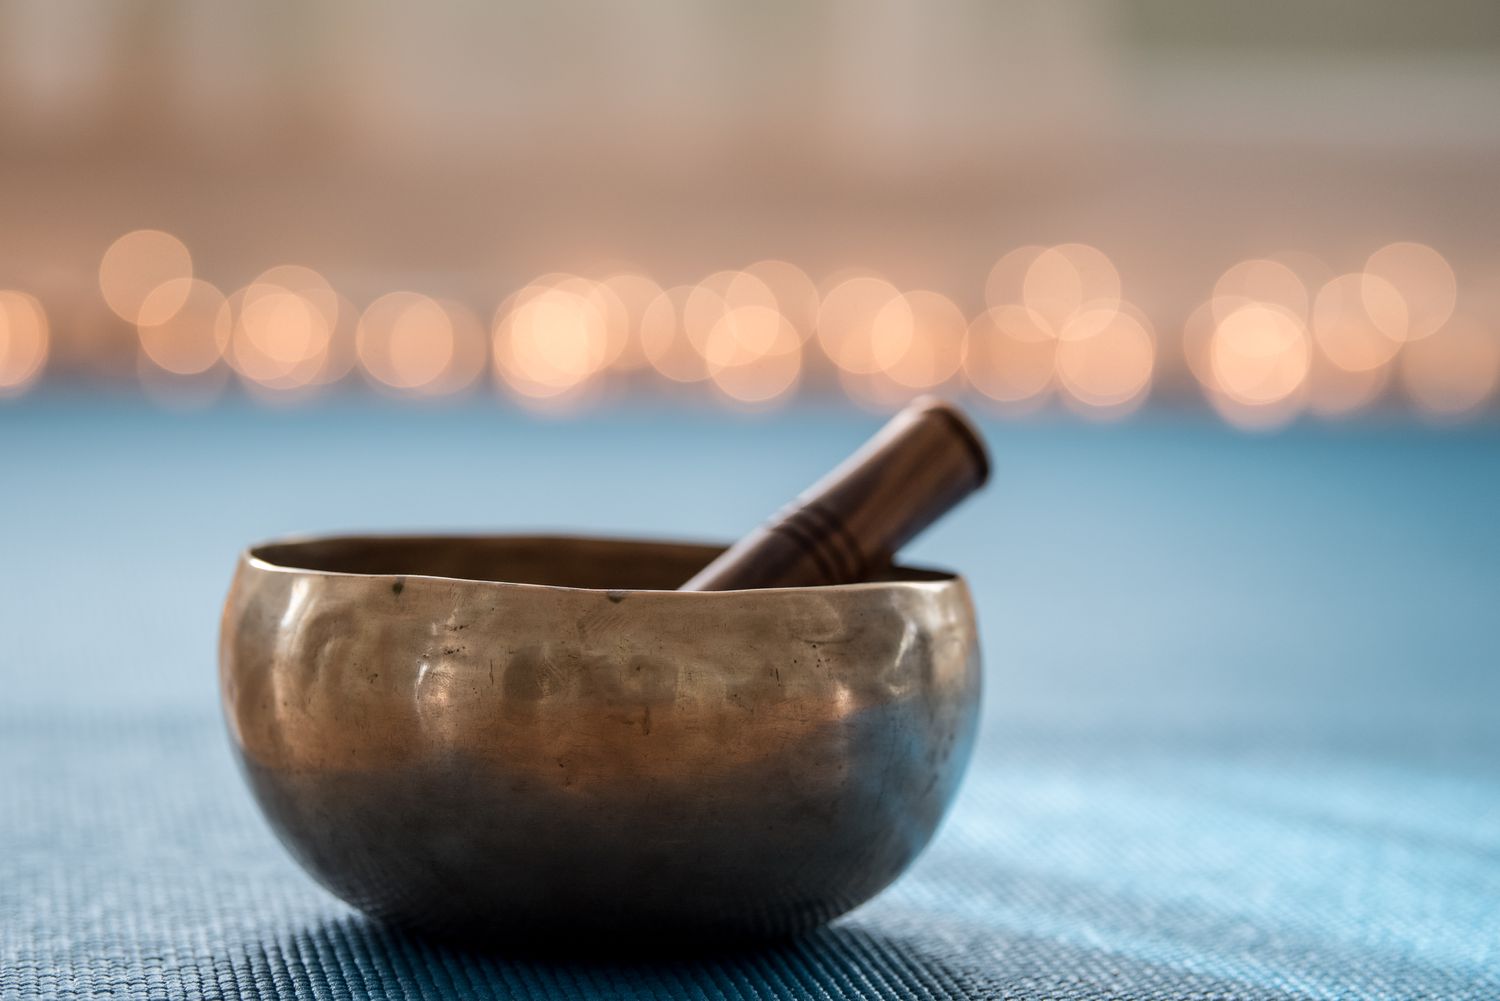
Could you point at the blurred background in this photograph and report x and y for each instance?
(1220, 281)
(1268, 210)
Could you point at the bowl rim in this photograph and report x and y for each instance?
(934, 579)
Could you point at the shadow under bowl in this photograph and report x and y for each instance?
(506, 738)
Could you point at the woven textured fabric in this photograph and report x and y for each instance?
(1240, 736)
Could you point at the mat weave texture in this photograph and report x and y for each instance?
(134, 866)
(1241, 737)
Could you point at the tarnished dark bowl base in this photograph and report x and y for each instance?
(506, 739)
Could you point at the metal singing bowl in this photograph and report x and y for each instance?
(508, 736)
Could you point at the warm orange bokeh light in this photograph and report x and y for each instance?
(410, 342)
(304, 281)
(1453, 371)
(754, 354)
(1197, 338)
(1260, 280)
(136, 265)
(194, 336)
(1275, 336)
(342, 354)
(918, 339)
(631, 294)
(796, 295)
(614, 317)
(1065, 279)
(611, 317)
(664, 337)
(471, 350)
(1423, 279)
(856, 329)
(1105, 358)
(1350, 320)
(714, 297)
(741, 288)
(1010, 354)
(551, 339)
(1005, 284)
(280, 339)
(338, 314)
(1259, 355)
(24, 341)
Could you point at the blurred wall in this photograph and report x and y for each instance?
(463, 147)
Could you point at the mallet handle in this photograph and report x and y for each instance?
(849, 524)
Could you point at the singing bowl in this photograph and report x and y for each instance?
(509, 737)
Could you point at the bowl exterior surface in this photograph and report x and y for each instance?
(486, 759)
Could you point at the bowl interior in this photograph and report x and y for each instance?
(559, 561)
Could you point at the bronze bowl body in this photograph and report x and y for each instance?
(508, 737)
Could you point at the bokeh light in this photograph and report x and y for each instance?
(857, 331)
(713, 298)
(303, 281)
(135, 266)
(1425, 282)
(1105, 358)
(551, 339)
(914, 343)
(1274, 336)
(1006, 282)
(1258, 359)
(633, 294)
(1351, 318)
(342, 355)
(471, 350)
(1259, 355)
(1064, 279)
(405, 340)
(613, 314)
(280, 340)
(918, 339)
(24, 341)
(195, 335)
(413, 343)
(1010, 355)
(796, 294)
(339, 315)
(1196, 340)
(664, 337)
(1260, 280)
(754, 354)
(741, 288)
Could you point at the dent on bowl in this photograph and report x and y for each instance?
(512, 736)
